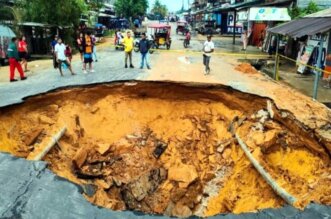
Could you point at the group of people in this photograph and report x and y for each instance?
(144, 47)
(62, 53)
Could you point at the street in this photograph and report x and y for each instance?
(180, 115)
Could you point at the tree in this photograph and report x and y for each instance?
(159, 9)
(297, 12)
(95, 5)
(59, 13)
(130, 8)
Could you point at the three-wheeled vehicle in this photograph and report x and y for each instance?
(161, 35)
(182, 27)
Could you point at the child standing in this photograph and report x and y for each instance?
(68, 53)
(88, 50)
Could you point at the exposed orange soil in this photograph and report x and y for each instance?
(155, 147)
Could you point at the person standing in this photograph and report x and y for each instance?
(13, 61)
(94, 54)
(79, 42)
(208, 49)
(244, 38)
(144, 47)
(88, 50)
(53, 44)
(60, 50)
(68, 52)
(128, 47)
(23, 53)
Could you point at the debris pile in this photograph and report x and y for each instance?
(246, 68)
(171, 149)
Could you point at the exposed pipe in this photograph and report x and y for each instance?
(49, 146)
(268, 178)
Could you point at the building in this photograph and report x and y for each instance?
(235, 16)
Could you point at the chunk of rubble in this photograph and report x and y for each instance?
(181, 211)
(80, 157)
(183, 173)
(45, 120)
(103, 148)
(159, 149)
(134, 192)
(32, 137)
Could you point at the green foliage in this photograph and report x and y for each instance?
(95, 5)
(301, 12)
(159, 9)
(130, 8)
(59, 12)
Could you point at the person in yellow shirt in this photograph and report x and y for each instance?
(128, 47)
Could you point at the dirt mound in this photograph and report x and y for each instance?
(246, 68)
(169, 149)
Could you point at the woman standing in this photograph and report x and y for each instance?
(23, 53)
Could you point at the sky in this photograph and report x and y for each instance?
(173, 5)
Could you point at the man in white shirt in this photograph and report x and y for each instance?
(208, 49)
(61, 57)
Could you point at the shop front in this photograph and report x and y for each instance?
(261, 18)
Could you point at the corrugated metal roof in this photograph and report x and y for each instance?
(304, 26)
(324, 13)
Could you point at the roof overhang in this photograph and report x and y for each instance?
(305, 26)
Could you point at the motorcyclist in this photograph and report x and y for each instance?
(188, 36)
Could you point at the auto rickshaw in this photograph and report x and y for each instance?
(182, 27)
(160, 35)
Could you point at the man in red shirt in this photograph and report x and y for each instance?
(23, 52)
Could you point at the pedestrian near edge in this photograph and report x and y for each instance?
(144, 47)
(88, 50)
(208, 49)
(244, 38)
(128, 47)
(94, 54)
(60, 53)
(23, 53)
(14, 61)
(53, 44)
(79, 42)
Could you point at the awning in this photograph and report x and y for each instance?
(305, 26)
(268, 14)
(235, 7)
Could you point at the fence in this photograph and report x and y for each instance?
(317, 71)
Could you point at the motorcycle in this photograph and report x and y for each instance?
(186, 43)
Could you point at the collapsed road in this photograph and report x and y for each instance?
(167, 148)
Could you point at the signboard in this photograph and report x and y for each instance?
(242, 15)
(268, 14)
(304, 59)
(230, 21)
(230, 24)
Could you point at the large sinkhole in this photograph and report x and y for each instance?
(168, 148)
